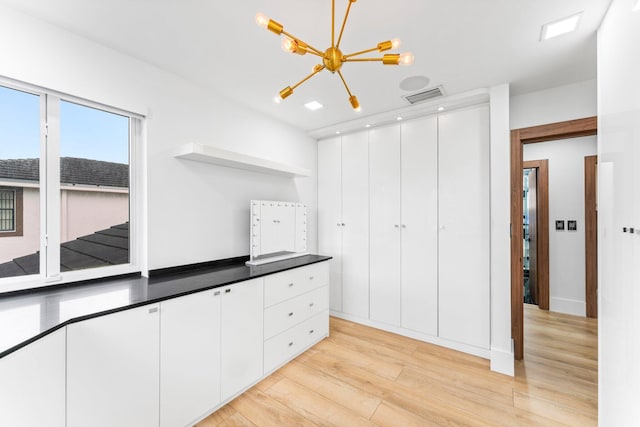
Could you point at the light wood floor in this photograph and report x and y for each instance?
(365, 377)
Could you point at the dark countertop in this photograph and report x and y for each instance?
(29, 316)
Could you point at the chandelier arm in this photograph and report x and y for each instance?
(360, 53)
(291, 36)
(362, 59)
(345, 83)
(333, 23)
(315, 71)
(344, 23)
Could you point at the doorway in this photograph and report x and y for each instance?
(536, 233)
(543, 133)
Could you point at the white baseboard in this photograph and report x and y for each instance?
(568, 306)
(502, 362)
(465, 348)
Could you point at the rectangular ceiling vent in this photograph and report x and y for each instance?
(425, 95)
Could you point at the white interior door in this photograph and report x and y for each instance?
(384, 193)
(419, 211)
(355, 228)
(464, 306)
(330, 213)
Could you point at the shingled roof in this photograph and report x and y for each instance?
(100, 249)
(72, 171)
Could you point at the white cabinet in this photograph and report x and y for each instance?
(427, 221)
(296, 313)
(343, 219)
(189, 357)
(112, 369)
(241, 336)
(419, 211)
(384, 193)
(32, 384)
(404, 224)
(464, 306)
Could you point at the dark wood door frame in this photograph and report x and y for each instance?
(551, 132)
(591, 235)
(543, 229)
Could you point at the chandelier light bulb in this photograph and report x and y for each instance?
(406, 58)
(288, 45)
(262, 20)
(277, 99)
(395, 43)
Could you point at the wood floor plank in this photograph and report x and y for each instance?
(364, 376)
(314, 406)
(355, 399)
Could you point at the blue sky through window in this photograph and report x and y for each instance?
(84, 132)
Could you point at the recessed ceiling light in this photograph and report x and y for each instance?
(367, 125)
(313, 105)
(399, 118)
(560, 27)
(440, 108)
(337, 132)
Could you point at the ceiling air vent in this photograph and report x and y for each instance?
(425, 95)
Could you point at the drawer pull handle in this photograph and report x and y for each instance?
(310, 277)
(226, 291)
(291, 344)
(291, 285)
(216, 293)
(311, 331)
(153, 310)
(291, 314)
(311, 305)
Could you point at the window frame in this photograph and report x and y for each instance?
(50, 186)
(17, 212)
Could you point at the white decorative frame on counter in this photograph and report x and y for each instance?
(278, 230)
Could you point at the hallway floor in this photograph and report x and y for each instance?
(366, 377)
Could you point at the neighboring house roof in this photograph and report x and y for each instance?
(72, 171)
(100, 249)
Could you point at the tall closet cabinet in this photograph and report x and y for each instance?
(420, 192)
(343, 209)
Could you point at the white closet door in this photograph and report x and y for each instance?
(330, 213)
(355, 231)
(464, 314)
(384, 187)
(419, 211)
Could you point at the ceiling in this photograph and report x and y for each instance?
(459, 44)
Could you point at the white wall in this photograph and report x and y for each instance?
(619, 206)
(501, 348)
(574, 101)
(566, 202)
(196, 212)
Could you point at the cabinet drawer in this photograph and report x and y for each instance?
(288, 313)
(285, 346)
(291, 283)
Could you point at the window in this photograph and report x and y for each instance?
(10, 212)
(67, 201)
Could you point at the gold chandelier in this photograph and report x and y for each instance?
(332, 58)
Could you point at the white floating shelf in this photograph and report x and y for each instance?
(207, 154)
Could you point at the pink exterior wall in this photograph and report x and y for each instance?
(29, 242)
(83, 213)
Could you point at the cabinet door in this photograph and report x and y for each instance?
(384, 185)
(189, 357)
(464, 226)
(32, 384)
(112, 369)
(420, 225)
(355, 231)
(330, 213)
(241, 336)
